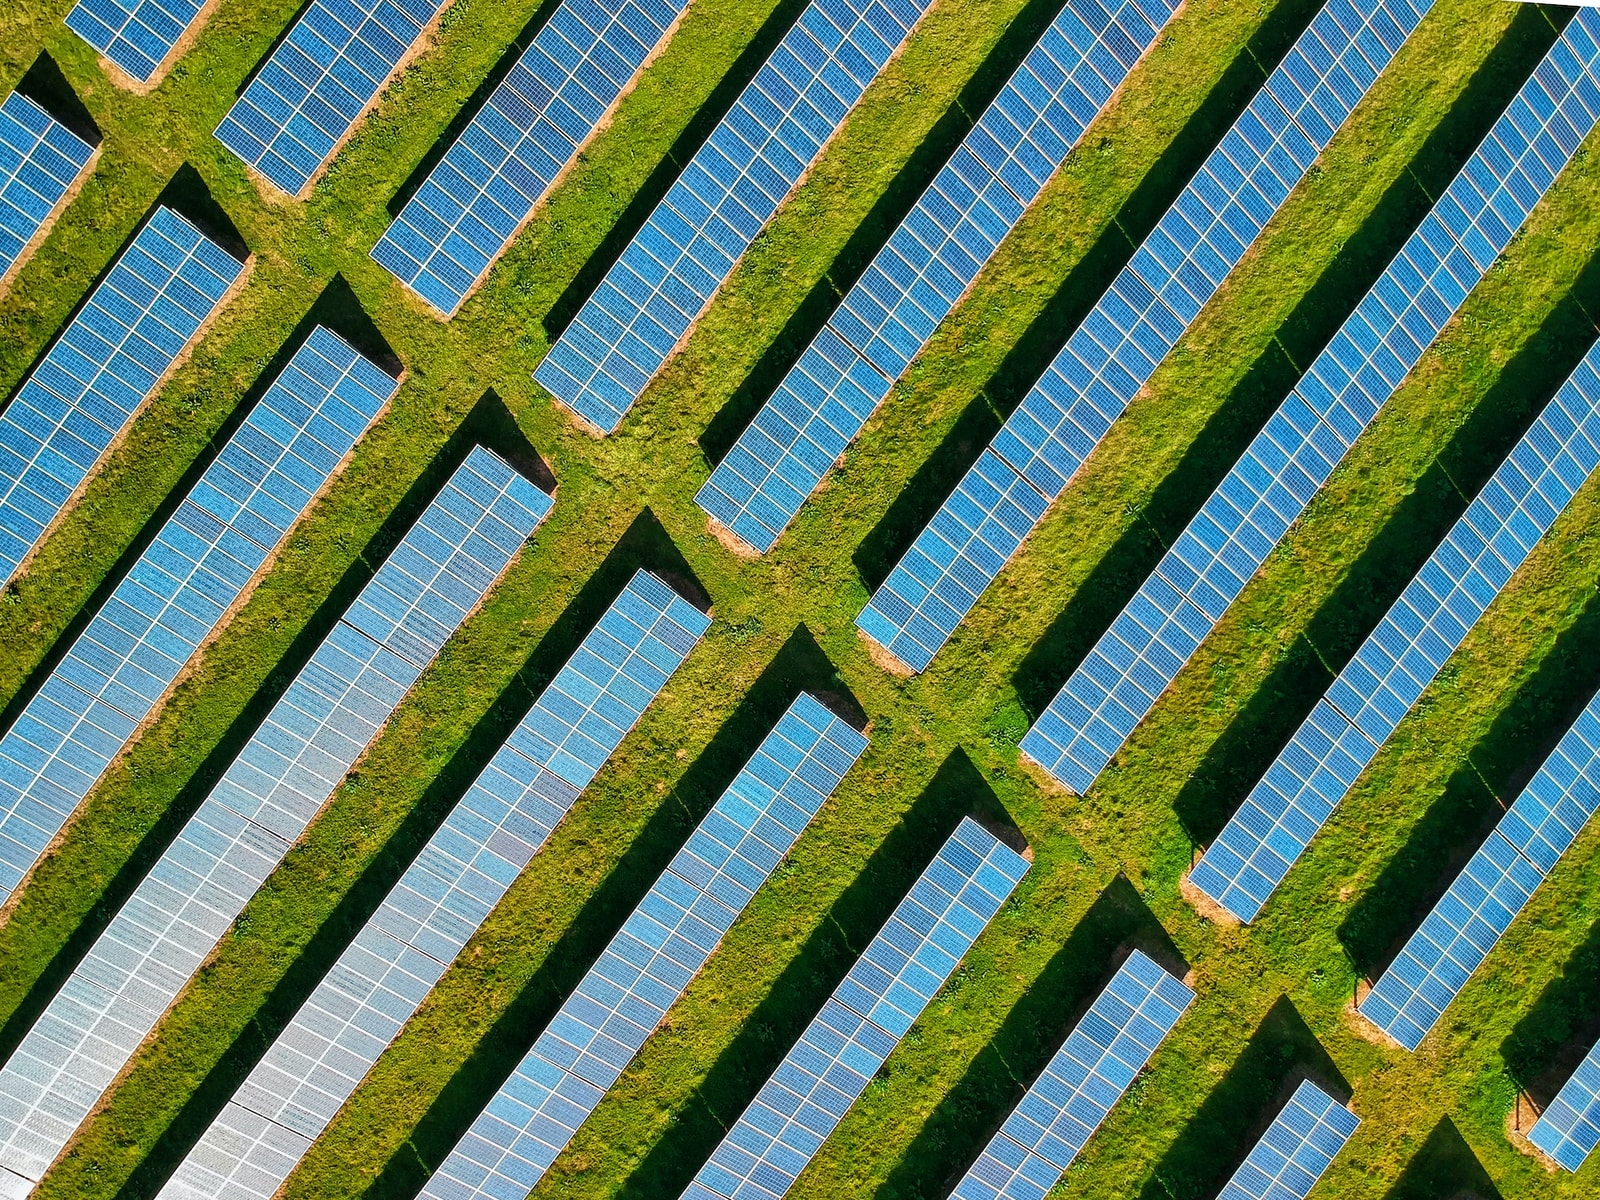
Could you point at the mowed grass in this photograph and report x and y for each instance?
(1106, 867)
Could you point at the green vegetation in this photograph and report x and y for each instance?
(1273, 999)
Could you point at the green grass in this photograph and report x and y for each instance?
(1273, 998)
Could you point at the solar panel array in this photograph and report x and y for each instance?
(1569, 1129)
(40, 161)
(103, 367)
(318, 82)
(1083, 1082)
(927, 264)
(173, 598)
(1132, 327)
(859, 1026)
(291, 766)
(1401, 657)
(730, 189)
(473, 202)
(1290, 460)
(649, 963)
(137, 35)
(1297, 1148)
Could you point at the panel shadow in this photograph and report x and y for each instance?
(46, 86)
(1444, 1169)
(1560, 1027)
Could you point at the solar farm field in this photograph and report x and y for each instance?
(453, 452)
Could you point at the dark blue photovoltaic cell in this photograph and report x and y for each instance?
(319, 81)
(1292, 458)
(104, 366)
(137, 35)
(728, 192)
(471, 205)
(651, 960)
(1300, 1144)
(1569, 1129)
(869, 1012)
(1137, 322)
(290, 768)
(927, 264)
(40, 161)
(1101, 1057)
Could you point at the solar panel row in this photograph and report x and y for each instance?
(1569, 1129)
(529, 131)
(427, 919)
(1081, 1084)
(1410, 645)
(927, 264)
(139, 36)
(107, 362)
(730, 189)
(1297, 1148)
(649, 963)
(1116, 349)
(290, 768)
(41, 161)
(826, 1071)
(318, 82)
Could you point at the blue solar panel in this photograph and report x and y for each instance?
(531, 129)
(139, 36)
(650, 962)
(869, 1012)
(41, 160)
(319, 82)
(730, 189)
(107, 362)
(1271, 484)
(927, 264)
(1137, 322)
(1569, 1129)
(1080, 1085)
(290, 768)
(1300, 1144)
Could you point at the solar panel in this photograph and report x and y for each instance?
(1570, 1128)
(319, 81)
(1116, 349)
(529, 131)
(1300, 1144)
(290, 768)
(107, 362)
(730, 189)
(1292, 458)
(927, 264)
(1083, 1082)
(139, 36)
(41, 161)
(859, 1026)
(649, 963)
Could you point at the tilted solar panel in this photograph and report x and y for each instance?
(529, 131)
(1081, 1084)
(1292, 458)
(139, 36)
(1116, 349)
(927, 264)
(859, 1026)
(649, 963)
(1295, 1151)
(105, 365)
(41, 161)
(290, 768)
(1569, 1129)
(319, 81)
(730, 189)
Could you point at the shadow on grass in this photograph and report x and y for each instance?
(1115, 924)
(933, 482)
(869, 237)
(666, 172)
(1444, 1169)
(958, 789)
(1279, 1055)
(46, 86)
(1546, 1046)
(1303, 335)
